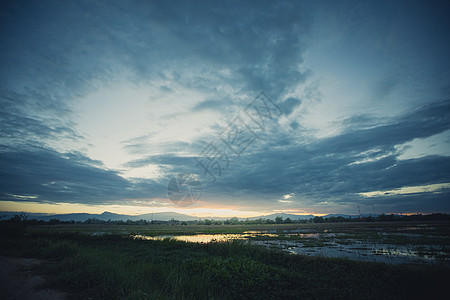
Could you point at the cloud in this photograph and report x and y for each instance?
(435, 188)
(284, 201)
(161, 80)
(422, 122)
(53, 177)
(19, 129)
(288, 196)
(324, 170)
(384, 87)
(208, 104)
(290, 104)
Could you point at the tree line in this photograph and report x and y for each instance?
(23, 219)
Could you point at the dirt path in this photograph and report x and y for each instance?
(18, 280)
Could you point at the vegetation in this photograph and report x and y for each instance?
(114, 266)
(235, 221)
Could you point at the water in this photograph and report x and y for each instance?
(197, 238)
(387, 253)
(333, 244)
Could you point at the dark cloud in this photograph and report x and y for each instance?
(289, 105)
(71, 178)
(19, 129)
(423, 122)
(262, 43)
(326, 170)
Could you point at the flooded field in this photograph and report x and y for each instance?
(389, 243)
(107, 261)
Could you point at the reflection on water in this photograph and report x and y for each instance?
(198, 238)
(328, 244)
(387, 253)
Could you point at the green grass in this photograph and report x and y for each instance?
(118, 267)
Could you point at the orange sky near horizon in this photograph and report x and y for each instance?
(203, 212)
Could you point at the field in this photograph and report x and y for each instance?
(237, 262)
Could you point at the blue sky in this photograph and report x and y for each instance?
(103, 102)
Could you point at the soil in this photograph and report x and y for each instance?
(19, 280)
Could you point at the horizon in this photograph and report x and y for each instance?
(222, 217)
(192, 212)
(225, 109)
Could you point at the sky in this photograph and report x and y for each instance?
(303, 107)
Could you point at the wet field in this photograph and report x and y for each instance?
(393, 243)
(174, 261)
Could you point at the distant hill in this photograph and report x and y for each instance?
(166, 216)
(5, 215)
(284, 216)
(105, 216)
(351, 216)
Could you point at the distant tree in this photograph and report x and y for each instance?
(234, 221)
(53, 222)
(279, 220)
(330, 220)
(288, 220)
(93, 221)
(318, 220)
(174, 222)
(20, 218)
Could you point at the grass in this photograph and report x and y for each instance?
(116, 266)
